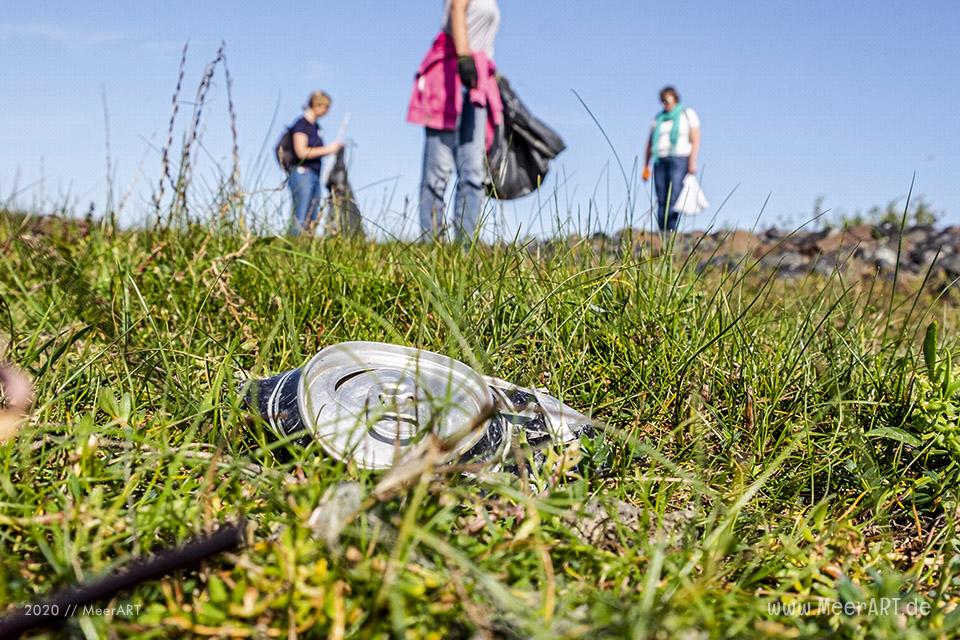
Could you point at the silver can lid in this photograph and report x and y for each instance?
(370, 402)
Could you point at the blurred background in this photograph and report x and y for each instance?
(802, 104)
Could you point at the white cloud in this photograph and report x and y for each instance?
(65, 36)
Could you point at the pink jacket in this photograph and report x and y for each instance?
(437, 97)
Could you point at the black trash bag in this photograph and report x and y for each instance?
(521, 151)
(344, 214)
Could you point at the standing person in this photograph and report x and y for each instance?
(308, 152)
(456, 99)
(674, 144)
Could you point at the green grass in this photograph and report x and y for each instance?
(765, 443)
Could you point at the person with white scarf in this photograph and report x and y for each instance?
(673, 145)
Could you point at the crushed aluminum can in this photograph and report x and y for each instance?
(276, 400)
(529, 419)
(369, 402)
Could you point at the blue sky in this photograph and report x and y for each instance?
(797, 99)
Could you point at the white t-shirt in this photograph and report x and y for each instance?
(688, 120)
(483, 20)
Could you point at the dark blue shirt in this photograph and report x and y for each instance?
(313, 140)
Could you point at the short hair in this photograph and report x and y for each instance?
(669, 89)
(318, 97)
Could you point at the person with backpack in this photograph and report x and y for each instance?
(456, 99)
(300, 152)
(673, 145)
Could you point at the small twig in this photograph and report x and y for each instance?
(423, 457)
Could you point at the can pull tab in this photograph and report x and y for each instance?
(394, 417)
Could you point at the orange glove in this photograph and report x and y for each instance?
(646, 173)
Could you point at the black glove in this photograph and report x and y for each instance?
(468, 71)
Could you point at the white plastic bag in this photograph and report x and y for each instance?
(691, 200)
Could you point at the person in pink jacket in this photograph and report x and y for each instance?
(455, 98)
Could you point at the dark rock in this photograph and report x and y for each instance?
(828, 265)
(772, 235)
(925, 258)
(882, 257)
(950, 265)
(919, 235)
(789, 265)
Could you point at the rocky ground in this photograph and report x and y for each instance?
(864, 250)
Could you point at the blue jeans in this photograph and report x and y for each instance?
(668, 175)
(307, 193)
(465, 150)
